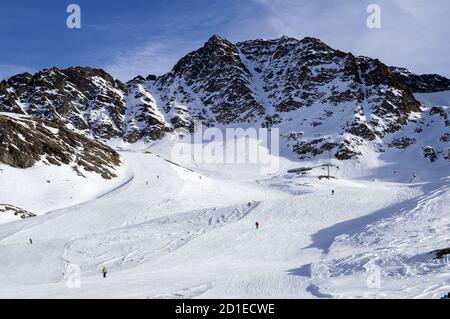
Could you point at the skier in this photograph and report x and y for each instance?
(104, 272)
(157, 177)
(146, 183)
(249, 204)
(332, 192)
(31, 241)
(257, 225)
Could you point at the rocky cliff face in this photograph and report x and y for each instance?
(86, 99)
(425, 83)
(325, 101)
(25, 141)
(212, 84)
(304, 87)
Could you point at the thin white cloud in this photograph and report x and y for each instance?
(156, 57)
(414, 33)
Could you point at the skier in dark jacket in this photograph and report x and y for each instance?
(104, 272)
(332, 192)
(257, 225)
(31, 241)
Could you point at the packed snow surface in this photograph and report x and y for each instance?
(168, 229)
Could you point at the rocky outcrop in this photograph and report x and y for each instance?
(211, 84)
(25, 141)
(424, 83)
(89, 100)
(20, 213)
(142, 121)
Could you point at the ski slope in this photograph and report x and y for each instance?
(44, 188)
(184, 237)
(187, 230)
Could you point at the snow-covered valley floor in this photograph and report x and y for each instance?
(174, 232)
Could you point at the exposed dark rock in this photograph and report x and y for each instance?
(16, 211)
(442, 252)
(313, 148)
(430, 153)
(347, 150)
(445, 138)
(402, 142)
(362, 130)
(24, 141)
(425, 83)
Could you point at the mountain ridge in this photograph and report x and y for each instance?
(325, 101)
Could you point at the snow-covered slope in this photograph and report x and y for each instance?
(43, 188)
(45, 166)
(186, 232)
(399, 247)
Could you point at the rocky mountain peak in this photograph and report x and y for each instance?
(217, 40)
(304, 87)
(216, 51)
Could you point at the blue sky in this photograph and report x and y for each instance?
(141, 37)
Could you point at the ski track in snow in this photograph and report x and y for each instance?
(401, 244)
(141, 242)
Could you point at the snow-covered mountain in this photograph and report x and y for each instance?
(86, 99)
(172, 229)
(326, 102)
